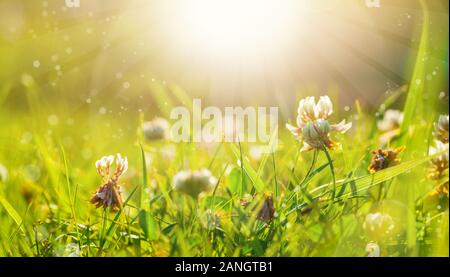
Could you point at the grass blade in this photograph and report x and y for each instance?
(11, 211)
(258, 184)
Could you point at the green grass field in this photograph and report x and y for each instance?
(325, 203)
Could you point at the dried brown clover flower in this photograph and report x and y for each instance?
(440, 190)
(439, 164)
(382, 159)
(267, 211)
(109, 194)
(442, 129)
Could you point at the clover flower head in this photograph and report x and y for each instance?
(260, 205)
(378, 225)
(267, 210)
(72, 250)
(313, 125)
(439, 164)
(3, 173)
(440, 192)
(104, 166)
(382, 159)
(392, 120)
(193, 183)
(157, 129)
(109, 194)
(372, 249)
(121, 165)
(442, 129)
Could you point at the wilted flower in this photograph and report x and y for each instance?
(392, 119)
(439, 164)
(156, 129)
(378, 224)
(3, 173)
(442, 129)
(194, 182)
(109, 194)
(313, 125)
(372, 249)
(382, 159)
(267, 211)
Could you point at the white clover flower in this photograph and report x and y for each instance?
(378, 225)
(372, 249)
(442, 129)
(439, 164)
(104, 166)
(110, 193)
(392, 120)
(313, 125)
(440, 147)
(72, 250)
(194, 182)
(157, 129)
(3, 173)
(121, 166)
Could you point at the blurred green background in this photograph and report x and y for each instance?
(75, 84)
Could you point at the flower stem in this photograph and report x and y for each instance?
(380, 191)
(330, 161)
(313, 163)
(275, 175)
(295, 165)
(103, 230)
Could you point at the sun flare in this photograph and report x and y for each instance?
(235, 129)
(236, 27)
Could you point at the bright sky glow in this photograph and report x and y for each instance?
(238, 27)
